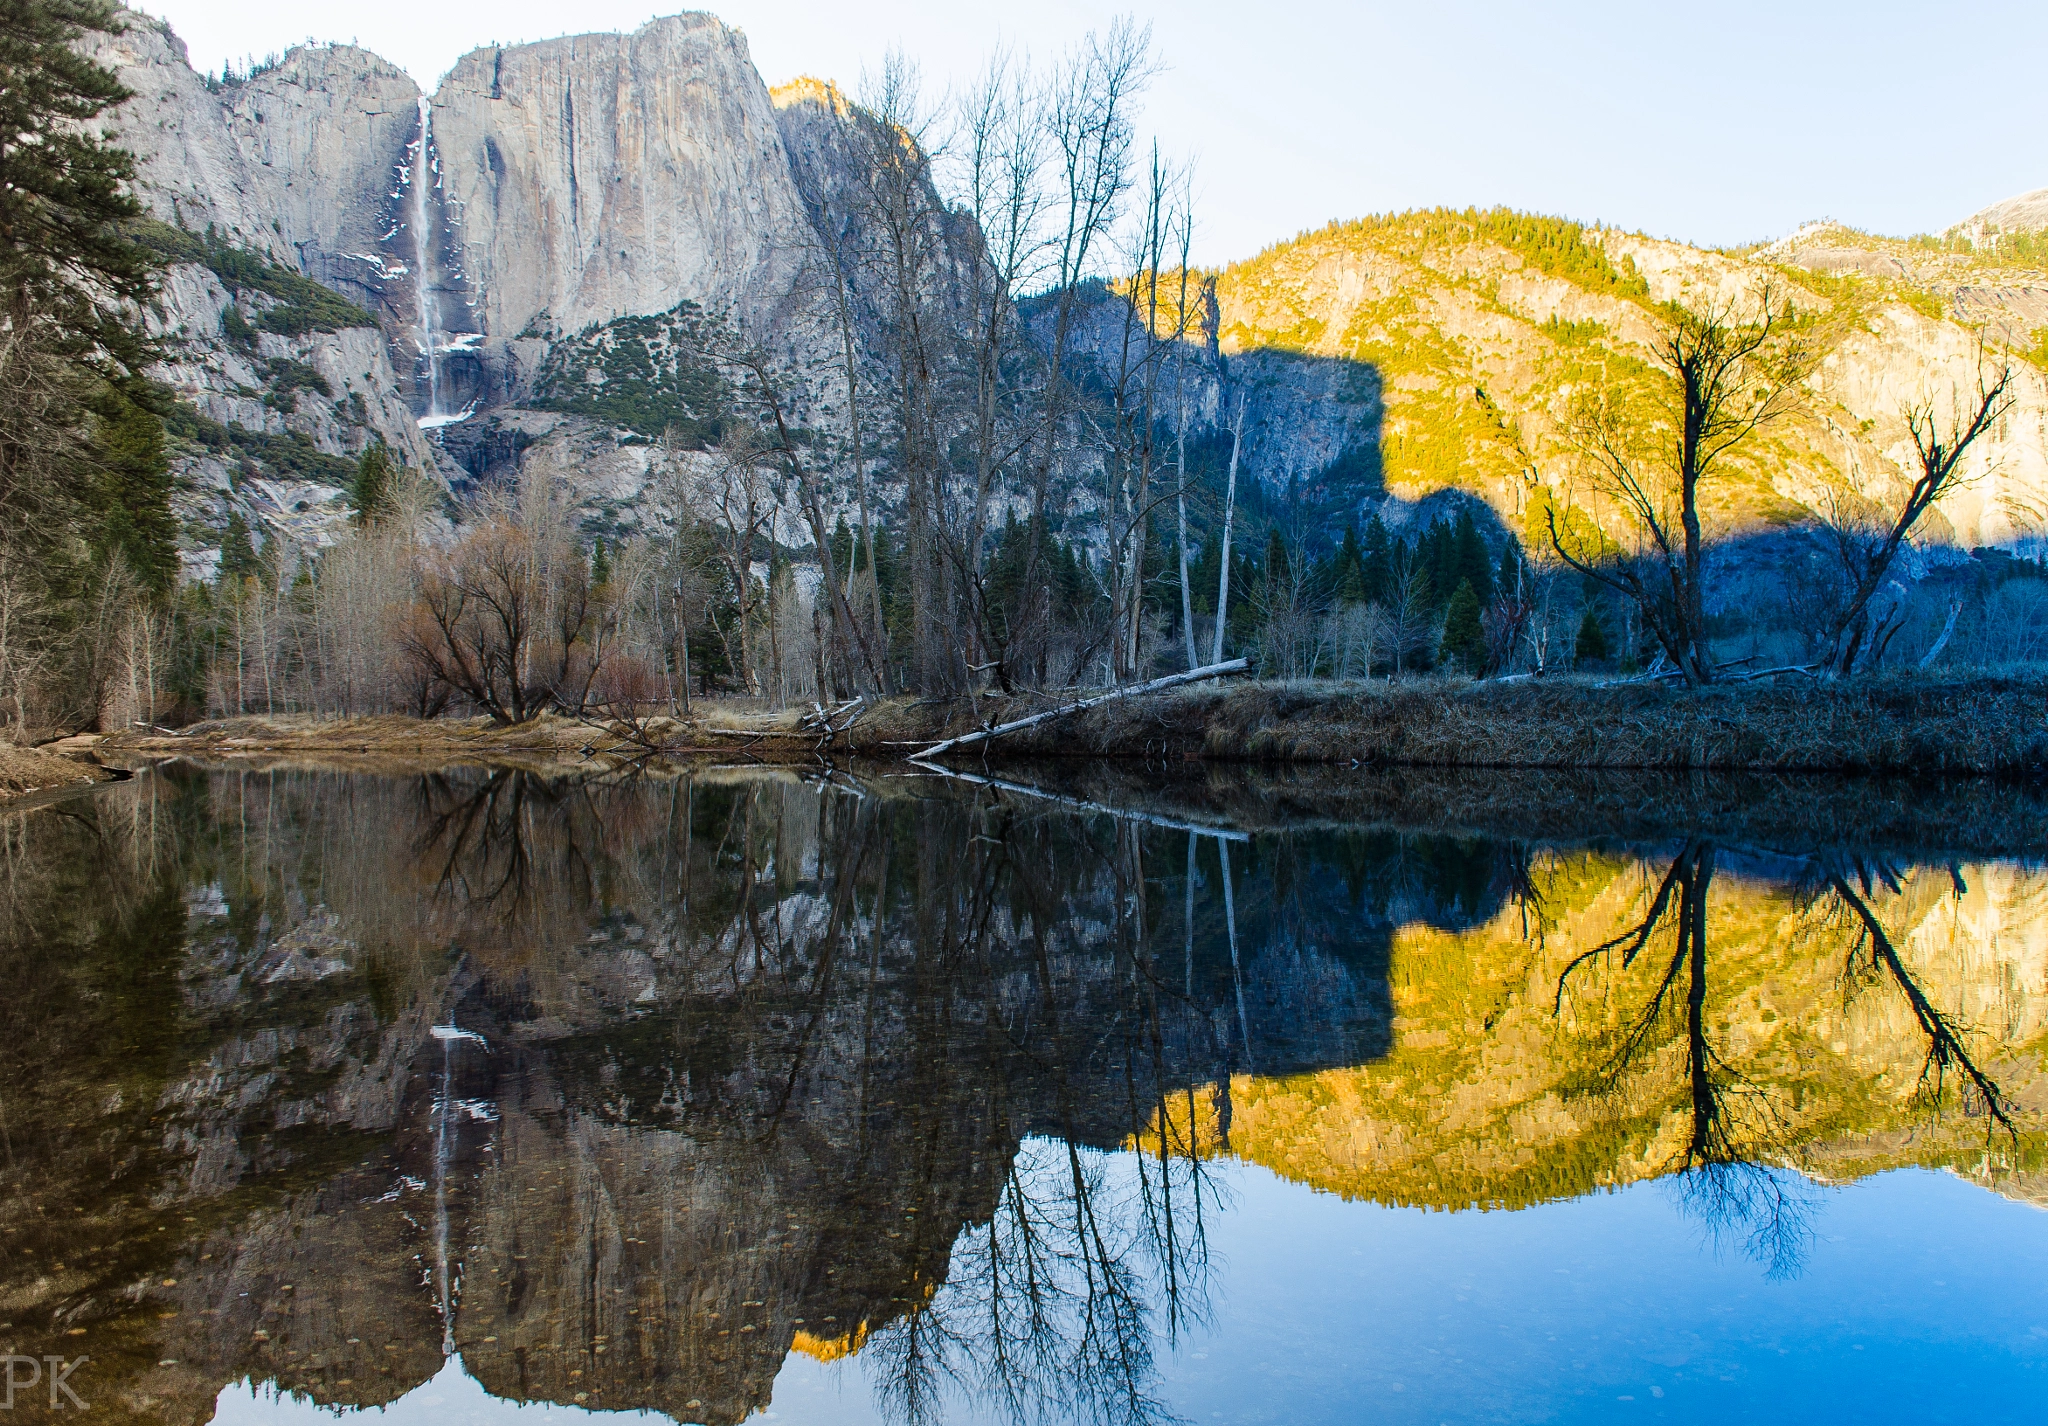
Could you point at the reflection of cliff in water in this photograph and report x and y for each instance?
(624, 1091)
(681, 1074)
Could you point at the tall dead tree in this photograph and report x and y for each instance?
(1724, 370)
(1866, 537)
(1229, 514)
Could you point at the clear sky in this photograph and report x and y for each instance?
(1714, 124)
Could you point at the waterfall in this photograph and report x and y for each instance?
(422, 253)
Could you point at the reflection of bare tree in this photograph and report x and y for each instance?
(1734, 1130)
(1731, 1123)
(1052, 1306)
(498, 844)
(1873, 957)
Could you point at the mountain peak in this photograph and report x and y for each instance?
(2027, 213)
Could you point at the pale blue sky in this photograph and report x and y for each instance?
(1716, 124)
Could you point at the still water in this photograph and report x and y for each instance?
(484, 1097)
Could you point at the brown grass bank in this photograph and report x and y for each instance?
(24, 771)
(1981, 724)
(1954, 724)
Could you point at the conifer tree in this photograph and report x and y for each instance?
(1464, 638)
(237, 553)
(129, 501)
(600, 564)
(1469, 558)
(1349, 574)
(1592, 645)
(372, 490)
(1279, 570)
(81, 442)
(1377, 569)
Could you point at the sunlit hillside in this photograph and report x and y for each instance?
(1485, 327)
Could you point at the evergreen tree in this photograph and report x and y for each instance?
(1279, 570)
(1469, 558)
(237, 553)
(1348, 577)
(65, 200)
(1592, 645)
(843, 555)
(1439, 551)
(1376, 570)
(371, 494)
(1464, 639)
(600, 564)
(81, 441)
(129, 501)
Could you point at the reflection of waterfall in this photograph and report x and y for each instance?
(445, 1107)
(422, 251)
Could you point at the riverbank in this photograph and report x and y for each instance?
(1977, 724)
(27, 771)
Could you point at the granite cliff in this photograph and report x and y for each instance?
(507, 240)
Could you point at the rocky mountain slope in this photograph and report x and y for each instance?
(1465, 335)
(542, 190)
(498, 241)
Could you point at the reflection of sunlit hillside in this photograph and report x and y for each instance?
(1503, 1090)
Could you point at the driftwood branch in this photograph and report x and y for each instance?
(1172, 680)
(1955, 609)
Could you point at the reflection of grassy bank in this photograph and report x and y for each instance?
(1961, 723)
(1918, 818)
(548, 742)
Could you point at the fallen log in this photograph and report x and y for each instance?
(1172, 680)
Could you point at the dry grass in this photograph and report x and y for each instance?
(1935, 724)
(1981, 724)
(27, 770)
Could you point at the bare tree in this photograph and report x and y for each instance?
(1726, 369)
(1091, 113)
(1866, 537)
(1229, 514)
(511, 627)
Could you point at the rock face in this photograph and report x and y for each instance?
(541, 189)
(602, 176)
(547, 191)
(2028, 213)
